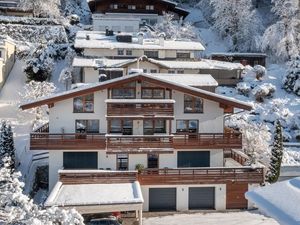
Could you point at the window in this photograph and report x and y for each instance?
(180, 71)
(171, 71)
(144, 70)
(80, 160)
(157, 93)
(87, 126)
(84, 104)
(183, 55)
(154, 126)
(193, 104)
(123, 93)
(151, 54)
(0, 54)
(187, 126)
(122, 161)
(113, 6)
(128, 52)
(132, 7)
(120, 51)
(153, 71)
(124, 127)
(149, 7)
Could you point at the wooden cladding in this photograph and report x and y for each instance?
(96, 177)
(235, 196)
(201, 176)
(45, 141)
(78, 141)
(143, 109)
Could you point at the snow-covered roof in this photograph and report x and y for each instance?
(169, 64)
(138, 76)
(248, 54)
(95, 194)
(194, 80)
(279, 200)
(98, 40)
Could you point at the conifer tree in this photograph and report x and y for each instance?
(7, 147)
(277, 152)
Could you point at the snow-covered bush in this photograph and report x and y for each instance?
(7, 147)
(282, 38)
(65, 77)
(35, 90)
(256, 139)
(17, 208)
(77, 7)
(244, 88)
(174, 29)
(41, 8)
(260, 71)
(262, 91)
(291, 81)
(237, 21)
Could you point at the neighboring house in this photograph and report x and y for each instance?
(11, 8)
(7, 58)
(89, 69)
(107, 13)
(124, 46)
(251, 59)
(171, 133)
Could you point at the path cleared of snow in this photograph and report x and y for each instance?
(226, 218)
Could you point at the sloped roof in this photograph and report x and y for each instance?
(138, 77)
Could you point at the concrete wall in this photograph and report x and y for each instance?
(182, 195)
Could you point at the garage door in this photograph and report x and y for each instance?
(162, 199)
(201, 198)
(193, 159)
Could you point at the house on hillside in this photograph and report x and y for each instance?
(89, 69)
(7, 58)
(143, 143)
(11, 8)
(133, 14)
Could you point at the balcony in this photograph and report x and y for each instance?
(128, 143)
(219, 175)
(46, 141)
(201, 176)
(140, 108)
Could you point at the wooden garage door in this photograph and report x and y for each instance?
(162, 199)
(235, 196)
(201, 198)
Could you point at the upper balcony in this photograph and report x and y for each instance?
(118, 143)
(140, 108)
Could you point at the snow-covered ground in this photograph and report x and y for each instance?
(226, 218)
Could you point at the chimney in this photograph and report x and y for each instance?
(140, 38)
(161, 38)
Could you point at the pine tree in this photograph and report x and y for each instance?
(7, 147)
(277, 152)
(291, 81)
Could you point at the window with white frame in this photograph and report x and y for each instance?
(149, 7)
(132, 7)
(113, 6)
(128, 52)
(120, 51)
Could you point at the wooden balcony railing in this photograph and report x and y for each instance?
(201, 176)
(46, 141)
(152, 109)
(238, 156)
(207, 140)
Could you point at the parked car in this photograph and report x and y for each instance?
(104, 221)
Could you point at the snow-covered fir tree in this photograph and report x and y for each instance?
(283, 38)
(277, 153)
(18, 209)
(7, 147)
(42, 8)
(236, 20)
(291, 81)
(65, 76)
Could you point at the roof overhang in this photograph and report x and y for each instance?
(95, 198)
(223, 100)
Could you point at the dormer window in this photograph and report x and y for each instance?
(113, 6)
(132, 7)
(149, 7)
(84, 104)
